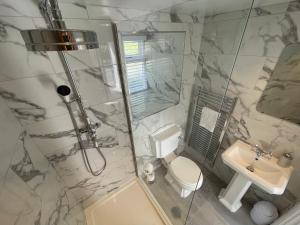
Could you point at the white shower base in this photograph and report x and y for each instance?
(132, 204)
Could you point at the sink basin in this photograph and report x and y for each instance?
(267, 174)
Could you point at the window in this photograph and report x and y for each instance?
(134, 49)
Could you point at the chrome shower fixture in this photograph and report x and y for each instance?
(59, 38)
(64, 91)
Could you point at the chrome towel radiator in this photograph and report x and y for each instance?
(200, 139)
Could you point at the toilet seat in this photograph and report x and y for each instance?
(186, 172)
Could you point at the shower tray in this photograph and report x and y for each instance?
(132, 204)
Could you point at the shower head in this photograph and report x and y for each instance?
(64, 91)
(59, 39)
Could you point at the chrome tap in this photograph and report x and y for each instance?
(261, 153)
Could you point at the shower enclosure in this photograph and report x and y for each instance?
(59, 38)
(196, 44)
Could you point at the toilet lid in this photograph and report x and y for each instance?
(185, 171)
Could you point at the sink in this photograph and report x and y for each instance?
(267, 174)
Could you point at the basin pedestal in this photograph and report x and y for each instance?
(236, 189)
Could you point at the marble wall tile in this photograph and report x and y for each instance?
(31, 192)
(293, 6)
(87, 188)
(154, 17)
(34, 104)
(191, 44)
(77, 9)
(221, 37)
(229, 15)
(114, 13)
(13, 50)
(9, 136)
(57, 133)
(28, 163)
(265, 10)
(288, 140)
(215, 71)
(169, 16)
(133, 4)
(96, 85)
(19, 204)
(268, 35)
(22, 8)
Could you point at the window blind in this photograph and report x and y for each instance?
(134, 50)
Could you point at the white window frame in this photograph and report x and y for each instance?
(140, 58)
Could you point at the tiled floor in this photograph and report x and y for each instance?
(205, 209)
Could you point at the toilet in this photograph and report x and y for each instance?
(183, 174)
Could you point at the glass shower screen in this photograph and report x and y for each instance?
(204, 38)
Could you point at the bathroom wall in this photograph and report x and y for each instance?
(270, 28)
(166, 21)
(43, 176)
(31, 191)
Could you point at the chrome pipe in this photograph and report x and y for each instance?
(47, 8)
(82, 147)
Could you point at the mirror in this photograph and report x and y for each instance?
(153, 62)
(281, 97)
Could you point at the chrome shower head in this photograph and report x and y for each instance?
(59, 39)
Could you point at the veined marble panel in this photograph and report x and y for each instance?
(222, 36)
(9, 136)
(213, 71)
(294, 6)
(192, 40)
(233, 15)
(22, 205)
(133, 4)
(31, 192)
(87, 188)
(76, 9)
(116, 14)
(96, 85)
(169, 16)
(289, 141)
(30, 104)
(22, 8)
(270, 9)
(57, 133)
(16, 61)
(268, 35)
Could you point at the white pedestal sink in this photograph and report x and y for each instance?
(267, 174)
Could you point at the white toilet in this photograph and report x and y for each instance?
(183, 174)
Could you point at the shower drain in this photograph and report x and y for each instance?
(176, 212)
